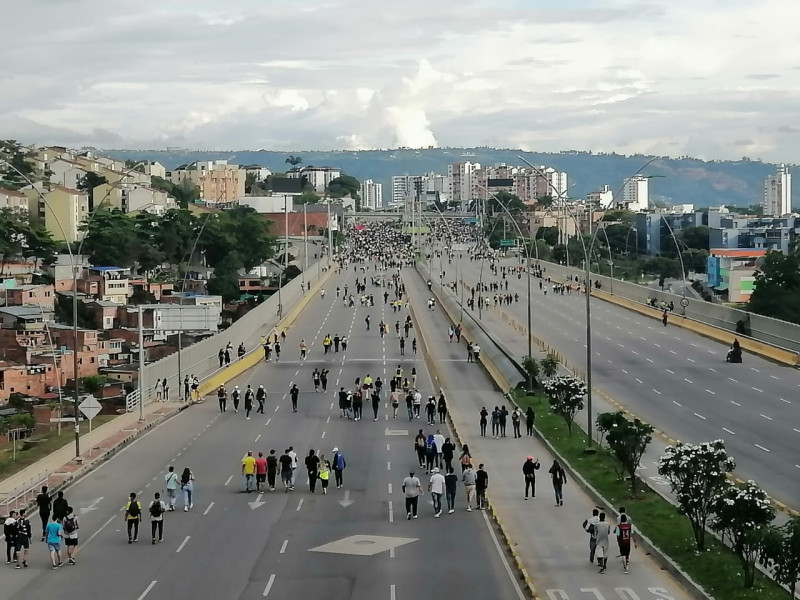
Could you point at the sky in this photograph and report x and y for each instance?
(715, 79)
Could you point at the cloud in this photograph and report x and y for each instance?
(630, 76)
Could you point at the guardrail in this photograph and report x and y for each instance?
(23, 496)
(132, 400)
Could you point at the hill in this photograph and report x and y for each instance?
(686, 180)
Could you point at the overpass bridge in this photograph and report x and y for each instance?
(405, 216)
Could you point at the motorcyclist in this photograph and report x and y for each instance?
(735, 352)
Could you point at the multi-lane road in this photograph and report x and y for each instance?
(675, 379)
(351, 543)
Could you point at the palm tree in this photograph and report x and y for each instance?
(293, 160)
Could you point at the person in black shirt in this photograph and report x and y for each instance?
(312, 465)
(294, 392)
(10, 533)
(24, 534)
(481, 485)
(44, 502)
(272, 470)
(286, 470)
(60, 506)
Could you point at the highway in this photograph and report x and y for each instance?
(278, 545)
(675, 379)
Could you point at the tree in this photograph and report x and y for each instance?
(628, 441)
(185, 192)
(111, 240)
(225, 280)
(548, 234)
(94, 383)
(696, 475)
(90, 181)
(18, 171)
(695, 237)
(608, 420)
(743, 515)
(511, 202)
(545, 201)
(293, 160)
(565, 394)
(549, 365)
(249, 181)
(342, 186)
(782, 550)
(531, 368)
(307, 197)
(625, 217)
(777, 287)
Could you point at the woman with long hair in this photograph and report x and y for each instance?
(187, 485)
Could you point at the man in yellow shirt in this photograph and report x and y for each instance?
(249, 471)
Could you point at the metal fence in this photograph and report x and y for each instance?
(23, 495)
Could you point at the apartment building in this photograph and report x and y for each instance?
(732, 231)
(218, 181)
(29, 295)
(778, 193)
(133, 197)
(462, 184)
(318, 177)
(635, 194)
(13, 200)
(371, 195)
(731, 273)
(64, 212)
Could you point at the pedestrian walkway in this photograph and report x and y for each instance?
(60, 467)
(549, 539)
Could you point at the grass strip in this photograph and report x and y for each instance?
(43, 445)
(717, 570)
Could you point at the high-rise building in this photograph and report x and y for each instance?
(601, 199)
(371, 195)
(407, 186)
(778, 193)
(635, 194)
(463, 183)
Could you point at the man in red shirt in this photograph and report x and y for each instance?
(261, 471)
(624, 535)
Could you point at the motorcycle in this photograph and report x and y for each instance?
(734, 355)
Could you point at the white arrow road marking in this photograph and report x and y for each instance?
(92, 506)
(257, 503)
(346, 502)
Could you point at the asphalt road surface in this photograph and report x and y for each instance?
(351, 543)
(673, 378)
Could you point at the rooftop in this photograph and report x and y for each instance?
(7, 192)
(107, 269)
(738, 252)
(22, 311)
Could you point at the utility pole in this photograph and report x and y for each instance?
(142, 386)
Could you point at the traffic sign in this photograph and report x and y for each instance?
(90, 407)
(507, 243)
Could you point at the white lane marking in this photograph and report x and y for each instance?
(656, 391)
(754, 369)
(639, 380)
(773, 377)
(388, 446)
(96, 533)
(228, 480)
(699, 416)
(735, 403)
(391, 552)
(634, 352)
(641, 338)
(390, 488)
(760, 447)
(796, 430)
(392, 594)
(649, 360)
(388, 466)
(206, 511)
(755, 389)
(677, 403)
(299, 505)
(670, 372)
(276, 408)
(620, 345)
(688, 380)
(258, 437)
(502, 556)
(690, 359)
(269, 585)
(693, 344)
(733, 380)
(624, 371)
(323, 435)
(728, 430)
(268, 422)
(391, 512)
(712, 393)
(786, 401)
(672, 352)
(712, 370)
(763, 416)
(147, 589)
(283, 547)
(329, 420)
(183, 543)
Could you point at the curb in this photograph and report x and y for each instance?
(522, 572)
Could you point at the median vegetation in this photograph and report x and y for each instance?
(697, 474)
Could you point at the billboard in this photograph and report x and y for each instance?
(175, 317)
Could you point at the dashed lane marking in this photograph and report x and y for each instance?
(728, 430)
(760, 447)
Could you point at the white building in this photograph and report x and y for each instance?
(462, 181)
(635, 194)
(153, 168)
(778, 193)
(371, 195)
(269, 204)
(600, 200)
(13, 200)
(260, 173)
(319, 177)
(407, 186)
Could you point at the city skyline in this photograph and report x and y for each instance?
(629, 78)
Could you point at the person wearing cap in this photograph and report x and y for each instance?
(338, 464)
(436, 488)
(235, 395)
(529, 468)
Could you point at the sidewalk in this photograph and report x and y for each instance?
(60, 467)
(549, 540)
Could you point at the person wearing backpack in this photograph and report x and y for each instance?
(10, 533)
(71, 526)
(24, 535)
(157, 510)
(133, 516)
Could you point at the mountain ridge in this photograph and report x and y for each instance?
(686, 180)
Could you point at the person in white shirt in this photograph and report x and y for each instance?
(173, 484)
(157, 510)
(438, 439)
(417, 404)
(436, 488)
(412, 488)
(293, 455)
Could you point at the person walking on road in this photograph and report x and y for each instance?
(448, 452)
(312, 467)
(469, 480)
(465, 458)
(222, 397)
(502, 417)
(286, 470)
(590, 527)
(272, 470)
(484, 419)
(303, 349)
(324, 473)
(45, 503)
(133, 516)
(431, 454)
(559, 480)
(293, 455)
(172, 484)
(187, 486)
(71, 527)
(436, 488)
(53, 534)
(481, 485)
(450, 487)
(664, 318)
(496, 422)
(235, 396)
(60, 506)
(530, 419)
(315, 379)
(442, 407)
(376, 403)
(430, 410)
(157, 510)
(603, 531)
(419, 446)
(529, 468)
(323, 379)
(24, 537)
(248, 402)
(515, 419)
(10, 532)
(394, 397)
(438, 438)
(249, 471)
(624, 534)
(261, 471)
(339, 465)
(412, 488)
(417, 403)
(294, 392)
